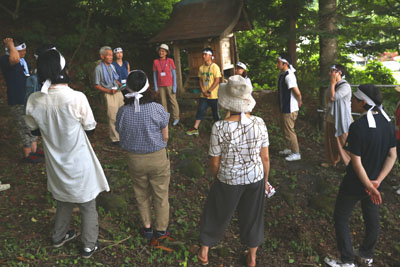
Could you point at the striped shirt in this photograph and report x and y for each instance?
(140, 132)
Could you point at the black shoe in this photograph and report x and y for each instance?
(32, 158)
(116, 143)
(88, 252)
(147, 234)
(71, 234)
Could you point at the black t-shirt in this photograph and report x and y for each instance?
(15, 80)
(372, 145)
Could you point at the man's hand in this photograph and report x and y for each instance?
(112, 92)
(8, 42)
(300, 102)
(375, 196)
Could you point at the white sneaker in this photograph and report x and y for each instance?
(4, 187)
(337, 263)
(364, 261)
(176, 121)
(293, 157)
(398, 191)
(285, 152)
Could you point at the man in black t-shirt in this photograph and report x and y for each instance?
(15, 71)
(372, 146)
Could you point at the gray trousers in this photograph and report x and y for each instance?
(220, 206)
(90, 222)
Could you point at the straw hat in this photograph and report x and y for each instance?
(236, 95)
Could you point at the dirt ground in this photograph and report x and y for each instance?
(298, 219)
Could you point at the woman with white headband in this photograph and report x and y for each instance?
(372, 146)
(142, 125)
(122, 67)
(61, 116)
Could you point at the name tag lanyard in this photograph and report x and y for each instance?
(162, 69)
(207, 75)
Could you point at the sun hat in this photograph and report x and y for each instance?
(241, 65)
(235, 95)
(163, 46)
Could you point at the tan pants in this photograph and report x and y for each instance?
(150, 175)
(334, 146)
(287, 127)
(166, 92)
(114, 102)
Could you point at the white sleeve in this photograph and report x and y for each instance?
(29, 120)
(83, 112)
(291, 80)
(215, 148)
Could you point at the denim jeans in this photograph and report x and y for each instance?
(204, 103)
(343, 209)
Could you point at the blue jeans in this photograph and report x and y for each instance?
(343, 209)
(204, 103)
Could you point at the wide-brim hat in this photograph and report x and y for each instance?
(163, 46)
(235, 95)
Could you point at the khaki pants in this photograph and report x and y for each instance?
(334, 145)
(114, 102)
(287, 127)
(166, 92)
(150, 175)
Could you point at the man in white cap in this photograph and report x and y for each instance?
(289, 103)
(15, 71)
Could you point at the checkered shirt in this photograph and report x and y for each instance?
(239, 146)
(140, 132)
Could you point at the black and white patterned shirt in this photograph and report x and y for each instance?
(140, 132)
(239, 146)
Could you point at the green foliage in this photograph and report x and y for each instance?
(374, 73)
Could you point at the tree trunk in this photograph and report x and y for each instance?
(292, 42)
(327, 44)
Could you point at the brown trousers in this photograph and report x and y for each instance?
(287, 127)
(166, 96)
(151, 175)
(114, 102)
(334, 146)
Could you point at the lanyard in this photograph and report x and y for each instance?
(208, 72)
(159, 61)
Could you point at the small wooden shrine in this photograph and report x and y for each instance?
(196, 24)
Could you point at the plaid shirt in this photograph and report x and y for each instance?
(239, 146)
(140, 132)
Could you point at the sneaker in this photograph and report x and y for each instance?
(337, 263)
(115, 143)
(293, 157)
(193, 131)
(176, 121)
(159, 234)
(32, 158)
(364, 261)
(271, 191)
(88, 252)
(147, 233)
(4, 187)
(71, 234)
(285, 152)
(398, 191)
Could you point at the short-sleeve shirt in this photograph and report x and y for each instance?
(140, 132)
(288, 103)
(239, 146)
(398, 121)
(208, 74)
(99, 76)
(164, 66)
(15, 79)
(372, 145)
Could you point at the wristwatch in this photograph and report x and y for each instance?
(208, 91)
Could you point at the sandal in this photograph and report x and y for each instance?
(201, 260)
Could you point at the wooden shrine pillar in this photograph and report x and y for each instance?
(177, 56)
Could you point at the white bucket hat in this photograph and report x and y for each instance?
(236, 95)
(163, 46)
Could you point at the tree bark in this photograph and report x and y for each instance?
(292, 42)
(328, 45)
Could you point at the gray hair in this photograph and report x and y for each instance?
(103, 50)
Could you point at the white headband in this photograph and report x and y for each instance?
(47, 83)
(208, 52)
(118, 49)
(371, 121)
(241, 65)
(285, 61)
(21, 47)
(137, 95)
(334, 68)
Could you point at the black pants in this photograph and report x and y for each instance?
(222, 201)
(343, 209)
